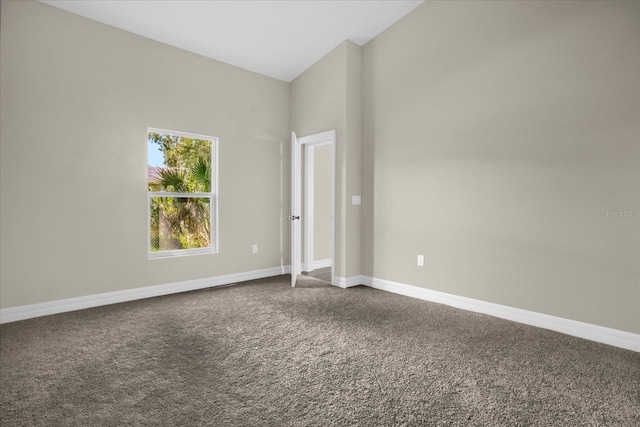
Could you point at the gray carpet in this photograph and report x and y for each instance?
(263, 354)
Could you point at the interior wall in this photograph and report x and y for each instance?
(353, 163)
(322, 238)
(76, 99)
(501, 141)
(327, 96)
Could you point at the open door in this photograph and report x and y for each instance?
(296, 205)
(322, 138)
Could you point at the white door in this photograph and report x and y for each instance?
(296, 205)
(327, 137)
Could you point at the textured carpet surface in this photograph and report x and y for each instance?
(264, 354)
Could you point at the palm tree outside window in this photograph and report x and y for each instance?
(182, 198)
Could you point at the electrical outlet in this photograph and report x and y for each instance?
(420, 260)
(254, 249)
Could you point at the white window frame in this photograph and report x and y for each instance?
(213, 197)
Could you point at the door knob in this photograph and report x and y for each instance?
(292, 217)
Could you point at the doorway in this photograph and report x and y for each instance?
(318, 217)
(317, 214)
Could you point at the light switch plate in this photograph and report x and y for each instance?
(356, 200)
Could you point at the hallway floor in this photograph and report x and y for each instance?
(320, 273)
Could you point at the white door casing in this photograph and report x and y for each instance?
(327, 137)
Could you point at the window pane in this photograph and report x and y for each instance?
(180, 223)
(178, 164)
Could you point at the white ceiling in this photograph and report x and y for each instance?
(279, 39)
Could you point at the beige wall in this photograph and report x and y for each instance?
(499, 139)
(496, 137)
(327, 96)
(76, 100)
(322, 238)
(352, 152)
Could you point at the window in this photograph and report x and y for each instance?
(182, 172)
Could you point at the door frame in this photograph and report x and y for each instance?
(309, 202)
(307, 143)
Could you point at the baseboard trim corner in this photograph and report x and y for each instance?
(597, 333)
(30, 311)
(347, 282)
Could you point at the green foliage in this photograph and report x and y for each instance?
(173, 180)
(181, 222)
(201, 175)
(180, 152)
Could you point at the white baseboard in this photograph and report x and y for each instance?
(614, 337)
(71, 304)
(322, 263)
(347, 282)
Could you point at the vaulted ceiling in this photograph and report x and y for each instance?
(279, 39)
